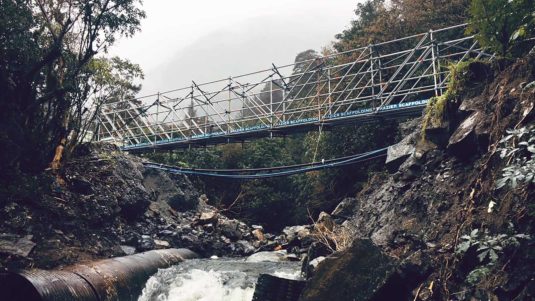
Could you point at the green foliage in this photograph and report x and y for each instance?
(278, 202)
(477, 275)
(435, 112)
(114, 79)
(518, 147)
(379, 20)
(504, 26)
(46, 78)
(488, 249)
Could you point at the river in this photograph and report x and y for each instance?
(219, 279)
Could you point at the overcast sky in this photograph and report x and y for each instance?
(203, 40)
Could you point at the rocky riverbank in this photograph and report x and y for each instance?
(104, 204)
(436, 227)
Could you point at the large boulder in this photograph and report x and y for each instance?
(463, 142)
(472, 134)
(359, 273)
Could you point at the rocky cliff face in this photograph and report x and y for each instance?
(105, 203)
(437, 193)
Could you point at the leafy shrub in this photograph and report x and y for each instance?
(518, 148)
(503, 26)
(488, 250)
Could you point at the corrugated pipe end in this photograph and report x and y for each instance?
(120, 278)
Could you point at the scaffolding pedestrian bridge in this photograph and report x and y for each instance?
(381, 81)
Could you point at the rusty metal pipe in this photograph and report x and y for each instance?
(120, 278)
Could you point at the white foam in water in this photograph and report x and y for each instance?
(213, 280)
(198, 285)
(207, 286)
(295, 275)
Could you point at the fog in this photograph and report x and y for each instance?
(207, 40)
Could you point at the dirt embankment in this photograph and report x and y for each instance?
(438, 211)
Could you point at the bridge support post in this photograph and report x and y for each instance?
(436, 79)
(271, 102)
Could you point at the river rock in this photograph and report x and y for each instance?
(16, 245)
(146, 243)
(128, 250)
(229, 228)
(244, 247)
(257, 227)
(315, 262)
(296, 232)
(359, 273)
(208, 217)
(266, 256)
(258, 234)
(161, 244)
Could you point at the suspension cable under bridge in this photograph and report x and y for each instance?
(271, 172)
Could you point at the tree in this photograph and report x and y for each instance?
(376, 21)
(504, 26)
(46, 47)
(112, 84)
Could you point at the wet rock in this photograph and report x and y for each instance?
(135, 200)
(360, 273)
(175, 190)
(244, 247)
(296, 232)
(398, 153)
(315, 250)
(166, 233)
(161, 244)
(258, 235)
(324, 222)
(270, 287)
(229, 228)
(315, 262)
(15, 245)
(209, 217)
(410, 169)
(128, 250)
(344, 210)
(463, 142)
(293, 257)
(146, 243)
(439, 134)
(266, 256)
(208, 227)
(269, 246)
